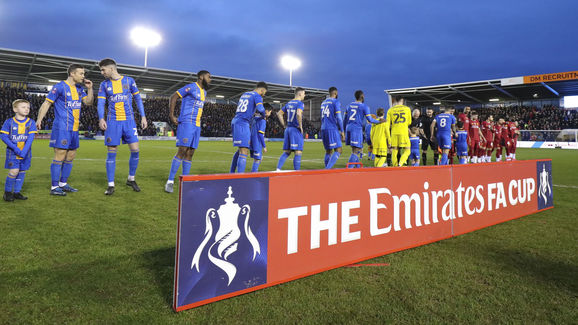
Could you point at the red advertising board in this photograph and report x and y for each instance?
(243, 232)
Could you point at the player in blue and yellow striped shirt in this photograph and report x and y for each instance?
(67, 97)
(189, 123)
(17, 133)
(119, 91)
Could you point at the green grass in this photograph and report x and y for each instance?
(87, 258)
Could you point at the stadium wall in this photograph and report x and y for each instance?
(238, 233)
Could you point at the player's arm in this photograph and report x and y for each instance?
(261, 137)
(136, 95)
(338, 116)
(300, 118)
(42, 112)
(27, 145)
(280, 115)
(368, 116)
(4, 135)
(172, 104)
(432, 128)
(89, 98)
(100, 106)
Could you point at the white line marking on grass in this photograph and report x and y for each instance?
(565, 186)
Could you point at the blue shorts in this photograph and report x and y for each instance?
(188, 135)
(444, 141)
(117, 130)
(462, 150)
(354, 138)
(331, 139)
(64, 139)
(241, 134)
(12, 161)
(414, 154)
(293, 139)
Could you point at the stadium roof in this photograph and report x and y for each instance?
(38, 68)
(546, 86)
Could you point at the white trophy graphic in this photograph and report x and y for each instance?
(545, 189)
(227, 236)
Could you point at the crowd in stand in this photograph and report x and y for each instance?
(548, 117)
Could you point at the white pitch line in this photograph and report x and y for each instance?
(565, 186)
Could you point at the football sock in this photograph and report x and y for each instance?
(436, 158)
(55, 169)
(133, 163)
(352, 159)
(241, 162)
(423, 158)
(174, 168)
(333, 160)
(65, 171)
(256, 164)
(379, 161)
(394, 153)
(234, 162)
(110, 165)
(444, 160)
(389, 159)
(282, 159)
(297, 162)
(9, 183)
(18, 181)
(474, 160)
(463, 161)
(186, 167)
(327, 157)
(404, 156)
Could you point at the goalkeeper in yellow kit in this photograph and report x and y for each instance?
(379, 139)
(399, 119)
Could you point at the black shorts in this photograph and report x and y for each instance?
(425, 143)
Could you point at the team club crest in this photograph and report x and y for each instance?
(226, 239)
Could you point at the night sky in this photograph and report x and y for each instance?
(368, 45)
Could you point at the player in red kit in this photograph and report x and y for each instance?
(464, 117)
(475, 139)
(488, 132)
(514, 132)
(505, 137)
(498, 139)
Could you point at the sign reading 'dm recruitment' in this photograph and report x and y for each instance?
(238, 233)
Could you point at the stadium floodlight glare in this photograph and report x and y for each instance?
(277, 101)
(52, 80)
(290, 63)
(437, 103)
(494, 99)
(148, 89)
(144, 37)
(219, 96)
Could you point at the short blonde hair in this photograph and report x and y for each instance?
(19, 101)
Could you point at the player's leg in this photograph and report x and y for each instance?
(175, 165)
(110, 168)
(424, 145)
(286, 149)
(56, 170)
(297, 159)
(256, 164)
(328, 154)
(234, 162)
(187, 161)
(194, 143)
(66, 170)
(19, 181)
(334, 156)
(133, 165)
(9, 185)
(242, 160)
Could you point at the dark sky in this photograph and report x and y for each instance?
(369, 45)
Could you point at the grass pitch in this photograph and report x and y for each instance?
(87, 258)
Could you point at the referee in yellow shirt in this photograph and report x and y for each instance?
(398, 119)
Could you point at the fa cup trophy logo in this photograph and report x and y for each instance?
(227, 236)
